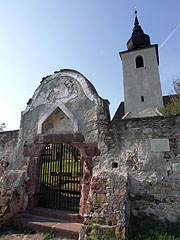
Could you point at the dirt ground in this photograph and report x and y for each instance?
(14, 235)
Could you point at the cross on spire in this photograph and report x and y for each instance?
(135, 11)
(138, 38)
(136, 23)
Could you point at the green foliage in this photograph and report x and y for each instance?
(102, 234)
(156, 236)
(2, 126)
(108, 234)
(49, 235)
(173, 107)
(176, 86)
(149, 229)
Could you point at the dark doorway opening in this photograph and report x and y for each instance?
(60, 175)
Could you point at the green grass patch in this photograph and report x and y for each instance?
(150, 229)
(49, 235)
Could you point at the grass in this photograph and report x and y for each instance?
(61, 172)
(49, 235)
(150, 229)
(156, 236)
(60, 158)
(141, 229)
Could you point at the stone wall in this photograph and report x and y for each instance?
(8, 144)
(64, 109)
(153, 174)
(108, 209)
(107, 206)
(132, 179)
(11, 180)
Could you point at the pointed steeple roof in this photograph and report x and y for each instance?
(138, 38)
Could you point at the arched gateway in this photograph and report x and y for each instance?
(60, 131)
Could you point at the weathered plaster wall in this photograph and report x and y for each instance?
(64, 108)
(61, 91)
(153, 177)
(141, 82)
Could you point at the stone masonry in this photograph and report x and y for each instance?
(12, 186)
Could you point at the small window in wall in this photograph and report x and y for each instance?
(142, 98)
(139, 62)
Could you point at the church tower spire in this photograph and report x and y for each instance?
(139, 38)
(142, 89)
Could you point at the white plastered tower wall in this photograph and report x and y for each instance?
(142, 88)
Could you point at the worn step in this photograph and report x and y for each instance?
(59, 227)
(58, 214)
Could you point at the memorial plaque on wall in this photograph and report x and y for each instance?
(160, 145)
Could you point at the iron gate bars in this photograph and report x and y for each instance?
(60, 176)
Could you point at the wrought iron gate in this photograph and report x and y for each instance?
(60, 177)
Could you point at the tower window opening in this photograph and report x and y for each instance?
(139, 62)
(142, 98)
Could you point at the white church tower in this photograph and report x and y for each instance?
(142, 88)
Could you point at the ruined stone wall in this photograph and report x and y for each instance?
(11, 179)
(62, 104)
(132, 177)
(153, 170)
(64, 108)
(8, 144)
(107, 206)
(108, 209)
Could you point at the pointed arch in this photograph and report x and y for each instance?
(66, 111)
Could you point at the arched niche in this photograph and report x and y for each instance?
(58, 120)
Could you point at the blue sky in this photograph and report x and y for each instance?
(38, 37)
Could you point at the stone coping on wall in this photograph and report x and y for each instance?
(9, 132)
(146, 118)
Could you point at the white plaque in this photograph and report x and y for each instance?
(160, 145)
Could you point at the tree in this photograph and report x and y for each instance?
(2, 126)
(176, 86)
(173, 107)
